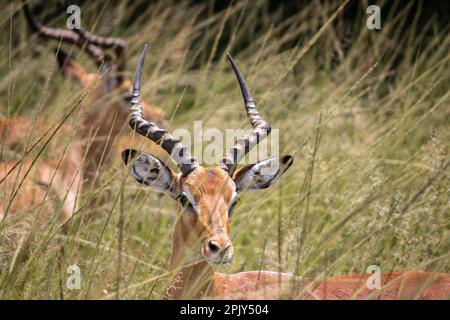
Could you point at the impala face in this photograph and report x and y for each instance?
(207, 195)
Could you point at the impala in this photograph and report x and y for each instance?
(108, 103)
(201, 236)
(100, 132)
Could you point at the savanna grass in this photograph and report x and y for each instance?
(365, 113)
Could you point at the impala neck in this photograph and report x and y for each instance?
(101, 126)
(196, 277)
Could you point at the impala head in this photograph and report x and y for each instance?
(207, 195)
(111, 67)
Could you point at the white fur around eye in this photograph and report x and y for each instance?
(191, 200)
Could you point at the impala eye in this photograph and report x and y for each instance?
(184, 201)
(127, 98)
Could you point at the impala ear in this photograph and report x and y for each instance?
(262, 174)
(151, 171)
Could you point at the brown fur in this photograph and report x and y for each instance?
(101, 130)
(212, 190)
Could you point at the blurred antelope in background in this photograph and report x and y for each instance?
(206, 196)
(100, 131)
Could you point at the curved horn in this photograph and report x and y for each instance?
(67, 36)
(103, 42)
(106, 42)
(261, 128)
(168, 142)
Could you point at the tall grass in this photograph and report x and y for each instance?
(365, 113)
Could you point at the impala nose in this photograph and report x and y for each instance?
(214, 246)
(219, 249)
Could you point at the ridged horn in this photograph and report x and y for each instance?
(167, 141)
(261, 128)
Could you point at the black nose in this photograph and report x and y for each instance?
(213, 246)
